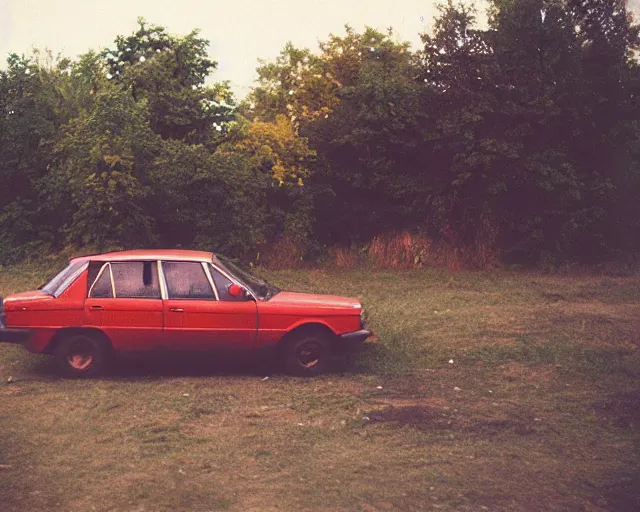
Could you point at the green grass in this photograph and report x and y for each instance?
(545, 415)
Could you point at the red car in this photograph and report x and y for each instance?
(181, 300)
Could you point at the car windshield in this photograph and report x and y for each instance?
(59, 283)
(259, 287)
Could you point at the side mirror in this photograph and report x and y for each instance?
(237, 291)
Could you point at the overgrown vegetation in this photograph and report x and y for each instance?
(538, 409)
(516, 142)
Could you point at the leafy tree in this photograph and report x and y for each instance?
(169, 73)
(357, 104)
(524, 135)
(297, 85)
(277, 146)
(101, 168)
(284, 159)
(538, 62)
(605, 113)
(514, 116)
(458, 71)
(28, 123)
(372, 173)
(208, 200)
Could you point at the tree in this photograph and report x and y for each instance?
(213, 201)
(524, 136)
(459, 76)
(357, 105)
(538, 64)
(101, 168)
(28, 124)
(604, 109)
(169, 73)
(283, 159)
(514, 119)
(297, 86)
(373, 168)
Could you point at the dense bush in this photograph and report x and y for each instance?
(520, 141)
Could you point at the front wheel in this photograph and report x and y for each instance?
(307, 354)
(82, 355)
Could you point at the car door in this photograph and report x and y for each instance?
(195, 318)
(125, 302)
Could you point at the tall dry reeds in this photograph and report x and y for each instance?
(406, 250)
(285, 253)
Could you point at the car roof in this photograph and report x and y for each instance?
(149, 254)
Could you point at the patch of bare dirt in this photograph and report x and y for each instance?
(514, 371)
(429, 418)
(611, 325)
(435, 402)
(622, 408)
(274, 414)
(418, 416)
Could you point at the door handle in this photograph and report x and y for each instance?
(95, 307)
(177, 310)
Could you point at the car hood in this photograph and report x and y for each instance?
(316, 300)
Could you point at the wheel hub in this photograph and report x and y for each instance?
(309, 355)
(80, 360)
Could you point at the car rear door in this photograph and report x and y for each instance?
(125, 302)
(195, 318)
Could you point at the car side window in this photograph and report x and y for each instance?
(222, 284)
(187, 280)
(93, 272)
(136, 280)
(101, 288)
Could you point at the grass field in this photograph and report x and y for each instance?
(540, 409)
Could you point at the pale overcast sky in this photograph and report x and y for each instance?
(240, 31)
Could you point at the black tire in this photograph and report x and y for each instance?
(83, 355)
(307, 354)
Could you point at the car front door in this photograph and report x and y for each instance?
(125, 302)
(194, 316)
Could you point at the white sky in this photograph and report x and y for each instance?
(240, 31)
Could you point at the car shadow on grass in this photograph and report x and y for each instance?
(177, 364)
(161, 364)
(156, 365)
(189, 364)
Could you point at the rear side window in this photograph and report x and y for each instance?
(136, 280)
(187, 280)
(95, 267)
(101, 288)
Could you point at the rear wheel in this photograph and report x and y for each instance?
(82, 355)
(307, 354)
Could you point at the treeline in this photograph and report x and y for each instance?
(521, 140)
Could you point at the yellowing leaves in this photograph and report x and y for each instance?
(117, 162)
(277, 145)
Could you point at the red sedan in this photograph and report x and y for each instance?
(180, 300)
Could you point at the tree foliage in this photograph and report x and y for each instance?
(523, 136)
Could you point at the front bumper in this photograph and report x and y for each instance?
(354, 340)
(18, 336)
